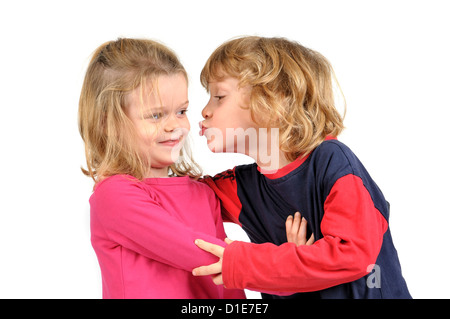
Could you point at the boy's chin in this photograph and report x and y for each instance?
(213, 149)
(218, 148)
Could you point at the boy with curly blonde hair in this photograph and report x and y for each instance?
(259, 84)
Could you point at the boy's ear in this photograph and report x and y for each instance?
(262, 119)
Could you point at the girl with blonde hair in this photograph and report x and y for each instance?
(276, 84)
(132, 118)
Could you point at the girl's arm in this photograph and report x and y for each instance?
(132, 219)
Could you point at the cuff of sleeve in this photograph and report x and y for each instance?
(228, 265)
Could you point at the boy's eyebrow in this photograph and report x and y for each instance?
(217, 84)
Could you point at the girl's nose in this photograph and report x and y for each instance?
(171, 123)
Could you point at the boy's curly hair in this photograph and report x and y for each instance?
(292, 88)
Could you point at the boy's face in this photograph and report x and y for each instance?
(227, 117)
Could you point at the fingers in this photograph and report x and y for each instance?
(218, 279)
(213, 269)
(310, 240)
(289, 222)
(301, 235)
(211, 248)
(295, 225)
(292, 228)
(296, 230)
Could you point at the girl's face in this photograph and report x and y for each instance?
(227, 116)
(159, 116)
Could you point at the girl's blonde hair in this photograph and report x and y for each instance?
(292, 88)
(117, 68)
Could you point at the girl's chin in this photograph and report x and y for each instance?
(164, 163)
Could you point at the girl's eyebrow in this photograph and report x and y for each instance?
(157, 108)
(185, 103)
(181, 105)
(152, 110)
(163, 107)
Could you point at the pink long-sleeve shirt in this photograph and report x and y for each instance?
(143, 233)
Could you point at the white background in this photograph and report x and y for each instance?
(391, 59)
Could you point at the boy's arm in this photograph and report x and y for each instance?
(352, 231)
(296, 234)
(225, 187)
(220, 232)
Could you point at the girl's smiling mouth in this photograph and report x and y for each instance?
(170, 142)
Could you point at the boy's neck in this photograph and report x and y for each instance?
(266, 152)
(274, 164)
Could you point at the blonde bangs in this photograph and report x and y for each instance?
(292, 88)
(116, 69)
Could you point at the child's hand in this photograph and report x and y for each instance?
(215, 270)
(296, 230)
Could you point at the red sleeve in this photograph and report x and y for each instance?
(352, 231)
(225, 187)
(133, 219)
(220, 231)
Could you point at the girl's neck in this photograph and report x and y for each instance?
(158, 172)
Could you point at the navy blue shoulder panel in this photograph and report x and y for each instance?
(335, 160)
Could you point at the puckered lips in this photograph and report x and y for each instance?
(203, 128)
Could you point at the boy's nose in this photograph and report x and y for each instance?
(206, 112)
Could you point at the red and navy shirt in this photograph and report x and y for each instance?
(353, 255)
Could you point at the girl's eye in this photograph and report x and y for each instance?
(155, 116)
(219, 97)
